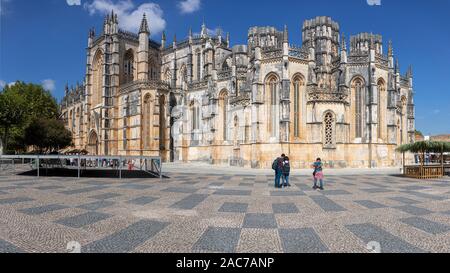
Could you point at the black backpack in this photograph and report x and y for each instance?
(286, 168)
(275, 164)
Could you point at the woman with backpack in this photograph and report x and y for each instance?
(286, 172)
(318, 174)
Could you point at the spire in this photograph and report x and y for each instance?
(285, 34)
(390, 49)
(371, 44)
(190, 32)
(144, 25)
(397, 66)
(343, 42)
(228, 39)
(204, 31)
(410, 72)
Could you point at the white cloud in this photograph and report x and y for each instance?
(73, 2)
(436, 111)
(189, 6)
(11, 84)
(48, 85)
(2, 84)
(374, 2)
(129, 15)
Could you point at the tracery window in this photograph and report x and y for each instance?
(271, 87)
(128, 66)
(328, 130)
(381, 108)
(358, 97)
(223, 106)
(199, 65)
(97, 92)
(147, 120)
(298, 83)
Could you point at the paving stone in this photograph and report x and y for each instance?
(377, 190)
(49, 187)
(8, 201)
(404, 200)
(97, 205)
(285, 208)
(126, 239)
(84, 219)
(233, 192)
(260, 220)
(180, 190)
(426, 195)
(7, 247)
(370, 204)
(105, 196)
(335, 192)
(234, 207)
(223, 240)
(426, 225)
(414, 210)
(43, 209)
(327, 204)
(389, 243)
(302, 240)
(83, 190)
(144, 200)
(286, 193)
(190, 202)
(135, 186)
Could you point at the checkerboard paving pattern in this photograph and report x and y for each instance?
(224, 213)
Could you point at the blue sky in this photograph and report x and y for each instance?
(44, 41)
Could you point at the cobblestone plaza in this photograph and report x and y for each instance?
(199, 212)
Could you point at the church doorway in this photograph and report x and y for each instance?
(93, 143)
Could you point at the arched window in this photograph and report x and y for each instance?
(195, 112)
(271, 88)
(182, 76)
(78, 121)
(152, 69)
(223, 108)
(97, 92)
(297, 100)
(328, 131)
(168, 76)
(236, 139)
(403, 123)
(71, 124)
(199, 65)
(147, 120)
(358, 91)
(382, 100)
(162, 122)
(128, 66)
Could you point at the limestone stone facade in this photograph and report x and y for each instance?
(201, 99)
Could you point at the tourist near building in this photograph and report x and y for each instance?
(202, 99)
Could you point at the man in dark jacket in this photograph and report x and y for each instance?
(277, 166)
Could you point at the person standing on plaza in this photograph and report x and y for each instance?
(286, 172)
(277, 166)
(318, 174)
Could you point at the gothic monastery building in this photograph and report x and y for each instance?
(201, 99)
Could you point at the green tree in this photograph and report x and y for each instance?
(47, 135)
(19, 105)
(12, 113)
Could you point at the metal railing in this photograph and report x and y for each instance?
(83, 163)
